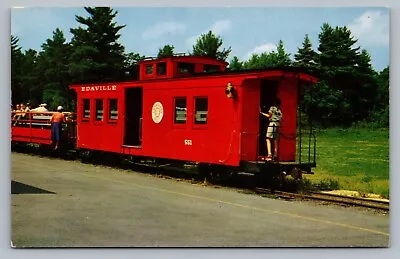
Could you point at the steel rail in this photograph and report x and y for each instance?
(335, 198)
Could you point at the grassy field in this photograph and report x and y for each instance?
(358, 159)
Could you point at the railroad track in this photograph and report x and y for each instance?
(334, 198)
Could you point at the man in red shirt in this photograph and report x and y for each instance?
(56, 125)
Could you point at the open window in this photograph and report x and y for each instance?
(201, 110)
(210, 68)
(184, 67)
(162, 68)
(180, 110)
(149, 69)
(86, 110)
(112, 110)
(99, 110)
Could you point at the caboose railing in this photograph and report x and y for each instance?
(305, 146)
(304, 125)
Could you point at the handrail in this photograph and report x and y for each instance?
(39, 113)
(299, 138)
(140, 129)
(315, 148)
(36, 118)
(311, 137)
(171, 56)
(258, 145)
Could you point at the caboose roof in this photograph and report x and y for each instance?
(284, 69)
(183, 58)
(273, 72)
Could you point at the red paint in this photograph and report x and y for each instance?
(287, 93)
(250, 122)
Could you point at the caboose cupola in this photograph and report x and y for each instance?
(178, 66)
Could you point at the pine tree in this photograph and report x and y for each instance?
(209, 45)
(97, 55)
(29, 78)
(15, 48)
(364, 93)
(306, 56)
(235, 64)
(282, 58)
(382, 89)
(53, 61)
(340, 64)
(131, 64)
(278, 58)
(166, 51)
(380, 112)
(337, 56)
(17, 57)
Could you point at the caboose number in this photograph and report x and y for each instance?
(188, 142)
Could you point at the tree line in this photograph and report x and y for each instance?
(349, 89)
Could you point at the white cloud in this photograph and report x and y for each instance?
(371, 28)
(161, 29)
(268, 47)
(217, 28)
(220, 26)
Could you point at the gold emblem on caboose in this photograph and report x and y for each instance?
(157, 112)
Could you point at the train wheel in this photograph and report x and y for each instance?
(204, 172)
(85, 156)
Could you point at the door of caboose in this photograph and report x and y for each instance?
(133, 116)
(268, 92)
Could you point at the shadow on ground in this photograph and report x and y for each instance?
(20, 188)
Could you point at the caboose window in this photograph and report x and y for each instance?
(185, 67)
(113, 109)
(211, 68)
(180, 110)
(86, 109)
(149, 69)
(99, 110)
(201, 112)
(162, 68)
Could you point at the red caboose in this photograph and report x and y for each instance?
(189, 108)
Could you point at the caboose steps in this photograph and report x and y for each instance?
(276, 167)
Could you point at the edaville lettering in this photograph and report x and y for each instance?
(98, 88)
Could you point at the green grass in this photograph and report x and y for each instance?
(357, 158)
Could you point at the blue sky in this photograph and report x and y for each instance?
(245, 30)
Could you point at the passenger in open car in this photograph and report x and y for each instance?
(19, 113)
(41, 108)
(17, 108)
